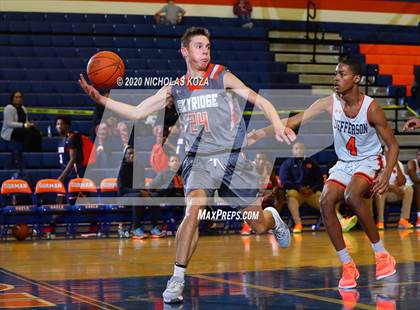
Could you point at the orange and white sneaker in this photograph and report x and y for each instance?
(349, 276)
(418, 222)
(349, 298)
(385, 265)
(380, 226)
(385, 303)
(246, 230)
(297, 229)
(404, 224)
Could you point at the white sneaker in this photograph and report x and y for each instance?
(173, 292)
(281, 231)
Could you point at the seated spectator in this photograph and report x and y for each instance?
(400, 189)
(170, 14)
(159, 158)
(17, 127)
(243, 10)
(168, 183)
(302, 179)
(126, 189)
(413, 171)
(110, 126)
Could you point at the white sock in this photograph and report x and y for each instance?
(344, 256)
(179, 272)
(378, 246)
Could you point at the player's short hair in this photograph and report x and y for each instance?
(65, 119)
(192, 32)
(353, 64)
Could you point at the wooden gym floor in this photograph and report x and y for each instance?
(227, 272)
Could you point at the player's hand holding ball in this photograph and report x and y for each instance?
(104, 70)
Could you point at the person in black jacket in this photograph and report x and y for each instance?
(302, 179)
(168, 183)
(126, 189)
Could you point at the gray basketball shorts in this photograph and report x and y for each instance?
(231, 174)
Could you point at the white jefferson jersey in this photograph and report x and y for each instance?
(354, 138)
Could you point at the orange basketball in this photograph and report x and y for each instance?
(104, 69)
(20, 231)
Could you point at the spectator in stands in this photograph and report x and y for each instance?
(17, 127)
(168, 183)
(170, 14)
(400, 189)
(126, 189)
(413, 171)
(167, 119)
(243, 10)
(110, 126)
(303, 181)
(70, 151)
(159, 158)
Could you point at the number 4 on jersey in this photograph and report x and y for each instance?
(351, 146)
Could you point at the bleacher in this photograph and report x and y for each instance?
(42, 54)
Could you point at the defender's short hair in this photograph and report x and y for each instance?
(192, 32)
(353, 64)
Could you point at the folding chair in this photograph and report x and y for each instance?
(18, 205)
(82, 213)
(50, 196)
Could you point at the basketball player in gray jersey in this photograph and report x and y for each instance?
(214, 134)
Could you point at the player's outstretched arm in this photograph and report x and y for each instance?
(320, 106)
(146, 107)
(377, 119)
(282, 133)
(411, 124)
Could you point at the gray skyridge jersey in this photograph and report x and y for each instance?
(211, 116)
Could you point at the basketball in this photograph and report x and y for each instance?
(104, 69)
(20, 231)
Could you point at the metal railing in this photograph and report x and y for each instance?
(310, 16)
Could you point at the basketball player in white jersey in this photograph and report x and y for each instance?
(357, 122)
(211, 128)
